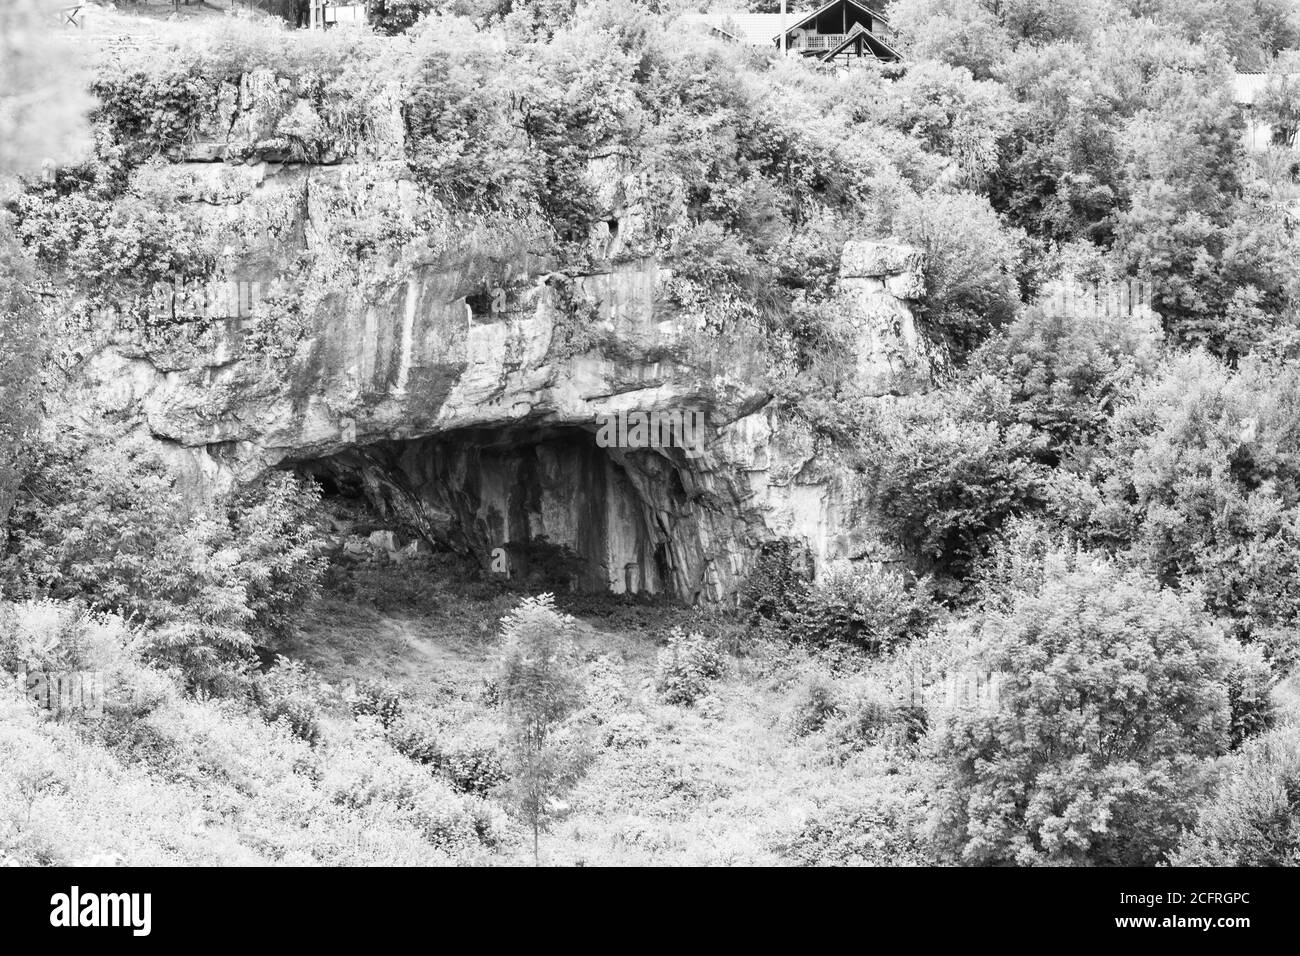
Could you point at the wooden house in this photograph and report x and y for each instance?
(837, 33)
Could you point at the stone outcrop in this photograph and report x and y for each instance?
(463, 381)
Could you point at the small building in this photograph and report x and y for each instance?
(316, 14)
(837, 33)
(1248, 89)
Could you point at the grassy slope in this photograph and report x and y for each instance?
(726, 781)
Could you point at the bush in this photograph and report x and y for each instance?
(1253, 819)
(415, 737)
(946, 473)
(58, 637)
(817, 703)
(686, 667)
(381, 701)
(112, 527)
(777, 586)
(468, 752)
(625, 731)
(290, 693)
(869, 720)
(473, 759)
(872, 608)
(1112, 699)
(874, 829)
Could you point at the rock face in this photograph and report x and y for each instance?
(351, 331)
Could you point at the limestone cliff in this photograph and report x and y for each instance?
(351, 328)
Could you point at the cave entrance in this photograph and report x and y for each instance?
(533, 504)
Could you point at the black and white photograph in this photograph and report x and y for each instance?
(655, 434)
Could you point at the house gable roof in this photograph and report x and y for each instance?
(764, 29)
(879, 47)
(822, 9)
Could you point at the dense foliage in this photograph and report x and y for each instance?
(1111, 697)
(113, 528)
(1094, 520)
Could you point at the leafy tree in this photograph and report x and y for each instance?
(971, 264)
(398, 16)
(1112, 700)
(42, 117)
(1065, 372)
(1253, 819)
(114, 528)
(539, 686)
(1062, 172)
(945, 473)
(1278, 105)
(959, 32)
(20, 363)
(1196, 479)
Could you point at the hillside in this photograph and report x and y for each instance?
(526, 433)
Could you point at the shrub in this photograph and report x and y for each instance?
(112, 527)
(290, 693)
(473, 758)
(869, 720)
(1253, 819)
(415, 737)
(872, 608)
(946, 473)
(817, 703)
(777, 586)
(55, 636)
(874, 829)
(150, 112)
(686, 667)
(624, 731)
(607, 692)
(1112, 698)
(379, 700)
(468, 752)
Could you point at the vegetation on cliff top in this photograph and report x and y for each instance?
(1105, 519)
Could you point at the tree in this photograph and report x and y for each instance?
(41, 114)
(20, 361)
(1279, 107)
(1064, 372)
(112, 526)
(1254, 818)
(959, 32)
(1113, 699)
(971, 264)
(1197, 480)
(945, 474)
(539, 687)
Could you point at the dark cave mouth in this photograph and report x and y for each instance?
(544, 505)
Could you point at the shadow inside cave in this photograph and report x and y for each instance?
(528, 502)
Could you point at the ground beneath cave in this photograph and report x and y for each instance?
(726, 781)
